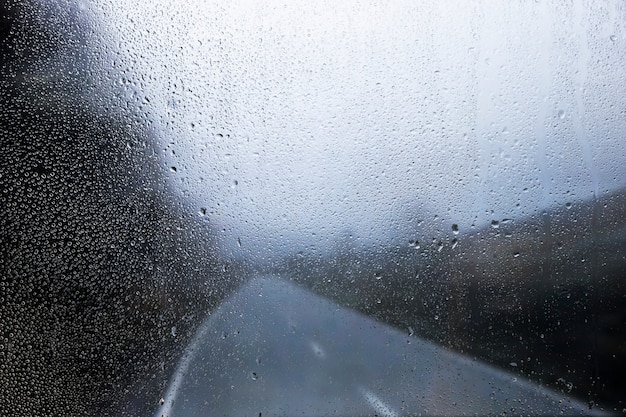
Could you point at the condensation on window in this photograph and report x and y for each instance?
(337, 208)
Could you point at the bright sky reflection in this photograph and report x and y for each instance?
(293, 123)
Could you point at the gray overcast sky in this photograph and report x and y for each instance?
(292, 122)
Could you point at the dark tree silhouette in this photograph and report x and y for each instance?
(103, 273)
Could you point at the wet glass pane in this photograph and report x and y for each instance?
(312, 208)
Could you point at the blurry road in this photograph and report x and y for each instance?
(276, 349)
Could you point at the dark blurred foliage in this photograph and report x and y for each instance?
(104, 275)
(543, 296)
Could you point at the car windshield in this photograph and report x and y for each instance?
(312, 208)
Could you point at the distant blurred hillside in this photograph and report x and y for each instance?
(544, 296)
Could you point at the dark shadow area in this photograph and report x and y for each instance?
(103, 274)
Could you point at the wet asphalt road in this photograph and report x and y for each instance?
(274, 349)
